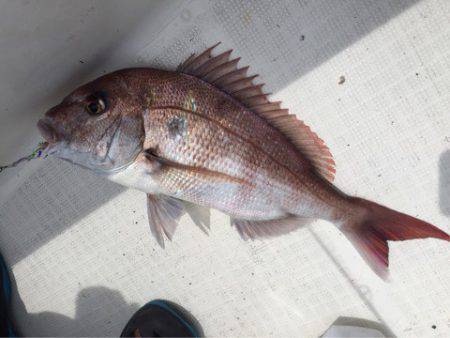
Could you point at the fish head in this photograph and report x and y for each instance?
(98, 126)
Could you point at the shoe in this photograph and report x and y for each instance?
(6, 325)
(161, 318)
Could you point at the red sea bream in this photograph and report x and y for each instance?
(206, 134)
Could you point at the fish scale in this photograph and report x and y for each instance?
(229, 113)
(238, 120)
(237, 159)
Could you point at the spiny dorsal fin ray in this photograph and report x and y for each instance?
(221, 70)
(211, 64)
(224, 73)
(196, 61)
(241, 84)
(231, 77)
(248, 91)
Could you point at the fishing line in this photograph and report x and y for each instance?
(38, 152)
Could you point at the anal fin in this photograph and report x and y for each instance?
(268, 228)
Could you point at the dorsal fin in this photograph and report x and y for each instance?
(224, 73)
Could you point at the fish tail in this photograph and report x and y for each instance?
(370, 230)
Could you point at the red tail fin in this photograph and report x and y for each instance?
(369, 233)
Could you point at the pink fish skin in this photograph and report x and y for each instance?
(207, 135)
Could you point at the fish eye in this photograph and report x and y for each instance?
(96, 106)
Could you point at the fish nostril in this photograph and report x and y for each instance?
(47, 131)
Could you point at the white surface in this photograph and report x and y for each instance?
(80, 247)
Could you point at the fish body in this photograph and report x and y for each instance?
(206, 134)
(215, 152)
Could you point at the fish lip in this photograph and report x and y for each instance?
(53, 148)
(47, 131)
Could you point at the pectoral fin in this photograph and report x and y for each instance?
(268, 228)
(164, 213)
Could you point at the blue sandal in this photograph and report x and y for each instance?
(6, 325)
(161, 318)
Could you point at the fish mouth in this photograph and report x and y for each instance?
(47, 131)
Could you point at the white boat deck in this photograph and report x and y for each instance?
(79, 246)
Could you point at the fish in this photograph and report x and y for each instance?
(207, 135)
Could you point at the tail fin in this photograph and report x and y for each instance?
(370, 232)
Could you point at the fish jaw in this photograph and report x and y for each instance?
(55, 144)
(106, 156)
(62, 150)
